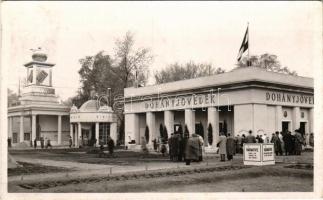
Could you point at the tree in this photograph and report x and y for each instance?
(131, 62)
(13, 98)
(266, 61)
(165, 134)
(161, 131)
(176, 72)
(147, 134)
(210, 134)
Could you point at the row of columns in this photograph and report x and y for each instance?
(34, 128)
(76, 133)
(213, 119)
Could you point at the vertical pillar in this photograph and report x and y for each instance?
(33, 127)
(10, 127)
(132, 128)
(97, 125)
(151, 123)
(79, 133)
(169, 121)
(34, 74)
(59, 130)
(50, 77)
(190, 120)
(296, 118)
(21, 131)
(113, 132)
(311, 120)
(213, 119)
(76, 135)
(279, 117)
(72, 133)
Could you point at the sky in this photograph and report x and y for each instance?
(207, 32)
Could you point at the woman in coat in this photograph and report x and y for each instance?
(230, 146)
(222, 146)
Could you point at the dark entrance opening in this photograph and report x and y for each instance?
(285, 127)
(302, 126)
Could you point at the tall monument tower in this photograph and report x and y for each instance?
(39, 87)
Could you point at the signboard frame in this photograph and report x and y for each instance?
(261, 160)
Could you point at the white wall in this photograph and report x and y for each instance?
(243, 118)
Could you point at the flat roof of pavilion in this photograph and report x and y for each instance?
(240, 75)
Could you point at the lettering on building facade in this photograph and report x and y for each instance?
(289, 98)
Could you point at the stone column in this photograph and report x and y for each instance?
(279, 117)
(10, 128)
(72, 133)
(59, 130)
(190, 120)
(34, 74)
(132, 128)
(97, 125)
(311, 120)
(213, 119)
(33, 127)
(151, 123)
(21, 131)
(113, 132)
(296, 118)
(79, 132)
(169, 121)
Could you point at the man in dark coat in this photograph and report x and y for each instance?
(42, 142)
(184, 144)
(239, 144)
(35, 143)
(250, 138)
(288, 143)
(299, 141)
(180, 147)
(230, 146)
(171, 147)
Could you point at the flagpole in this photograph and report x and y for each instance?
(248, 44)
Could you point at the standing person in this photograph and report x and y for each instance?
(155, 144)
(48, 143)
(265, 138)
(243, 141)
(171, 146)
(80, 142)
(250, 138)
(201, 143)
(35, 143)
(42, 142)
(222, 146)
(192, 149)
(70, 141)
(230, 147)
(260, 140)
(312, 140)
(180, 147)
(277, 147)
(110, 145)
(292, 143)
(282, 143)
(9, 142)
(184, 144)
(299, 141)
(239, 144)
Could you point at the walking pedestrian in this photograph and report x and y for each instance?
(70, 141)
(110, 145)
(35, 143)
(277, 145)
(42, 142)
(299, 141)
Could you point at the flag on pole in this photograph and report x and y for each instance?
(244, 46)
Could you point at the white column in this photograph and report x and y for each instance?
(132, 128)
(76, 135)
(311, 120)
(21, 132)
(33, 127)
(279, 117)
(79, 132)
(34, 74)
(59, 130)
(151, 123)
(213, 119)
(113, 132)
(296, 118)
(190, 120)
(169, 121)
(97, 132)
(72, 133)
(10, 127)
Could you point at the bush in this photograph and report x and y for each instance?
(210, 134)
